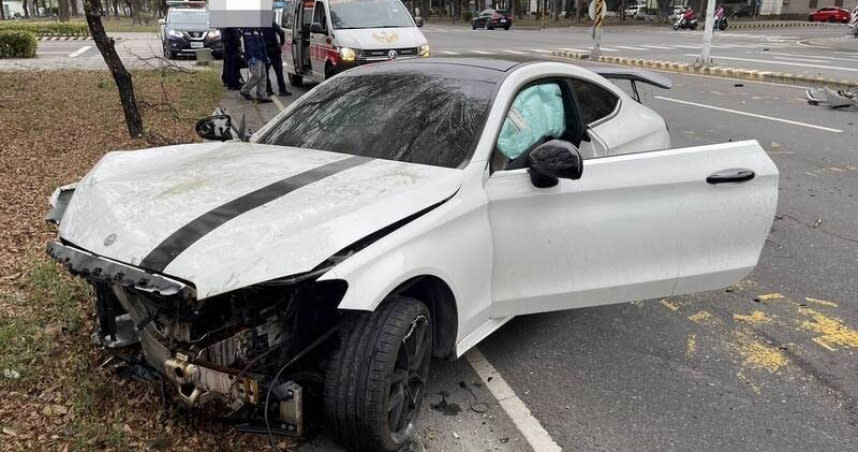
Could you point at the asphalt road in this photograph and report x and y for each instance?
(788, 50)
(768, 364)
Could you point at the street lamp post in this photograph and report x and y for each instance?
(708, 30)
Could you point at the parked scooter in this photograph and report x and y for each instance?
(688, 20)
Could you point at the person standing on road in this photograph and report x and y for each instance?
(254, 52)
(231, 75)
(274, 39)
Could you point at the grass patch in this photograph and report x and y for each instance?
(60, 398)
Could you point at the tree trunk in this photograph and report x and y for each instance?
(121, 76)
(74, 10)
(2, 11)
(26, 9)
(63, 10)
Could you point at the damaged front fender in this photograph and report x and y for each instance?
(59, 200)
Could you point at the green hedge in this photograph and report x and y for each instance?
(46, 28)
(467, 16)
(17, 44)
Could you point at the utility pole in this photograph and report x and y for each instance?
(597, 14)
(708, 30)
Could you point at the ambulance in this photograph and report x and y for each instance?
(330, 36)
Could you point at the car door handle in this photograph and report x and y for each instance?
(730, 175)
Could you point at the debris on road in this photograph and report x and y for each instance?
(831, 97)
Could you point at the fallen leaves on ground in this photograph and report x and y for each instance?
(54, 126)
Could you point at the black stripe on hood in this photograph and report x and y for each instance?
(159, 258)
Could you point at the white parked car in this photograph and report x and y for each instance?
(393, 213)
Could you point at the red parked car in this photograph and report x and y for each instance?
(491, 19)
(831, 14)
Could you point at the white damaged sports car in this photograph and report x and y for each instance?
(397, 212)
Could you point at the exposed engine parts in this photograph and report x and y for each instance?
(230, 348)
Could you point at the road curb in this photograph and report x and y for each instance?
(720, 71)
(741, 26)
(63, 38)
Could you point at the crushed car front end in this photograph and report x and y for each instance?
(226, 349)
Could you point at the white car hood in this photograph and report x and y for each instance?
(223, 216)
(380, 38)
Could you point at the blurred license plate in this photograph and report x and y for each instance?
(196, 45)
(503, 20)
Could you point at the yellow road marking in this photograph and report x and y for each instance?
(822, 302)
(757, 355)
(667, 304)
(700, 317)
(691, 347)
(754, 317)
(769, 296)
(834, 333)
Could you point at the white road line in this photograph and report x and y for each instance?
(278, 103)
(806, 60)
(630, 48)
(608, 49)
(570, 49)
(51, 52)
(529, 426)
(515, 52)
(79, 51)
(483, 52)
(681, 46)
(450, 52)
(847, 53)
(753, 115)
(540, 50)
(650, 46)
(755, 60)
(815, 57)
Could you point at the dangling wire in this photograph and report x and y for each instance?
(300, 355)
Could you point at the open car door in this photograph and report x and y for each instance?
(634, 226)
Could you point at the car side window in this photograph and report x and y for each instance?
(537, 114)
(596, 102)
(319, 15)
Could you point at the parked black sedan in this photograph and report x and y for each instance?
(186, 30)
(491, 19)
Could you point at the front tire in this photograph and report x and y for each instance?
(377, 377)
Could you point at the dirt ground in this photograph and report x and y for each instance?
(54, 395)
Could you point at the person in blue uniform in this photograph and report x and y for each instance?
(274, 39)
(256, 56)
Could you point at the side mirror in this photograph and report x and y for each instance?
(553, 160)
(418, 21)
(162, 21)
(317, 28)
(215, 127)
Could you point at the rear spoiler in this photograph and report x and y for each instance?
(634, 76)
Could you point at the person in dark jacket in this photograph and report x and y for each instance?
(254, 52)
(274, 39)
(231, 75)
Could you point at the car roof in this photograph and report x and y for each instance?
(490, 70)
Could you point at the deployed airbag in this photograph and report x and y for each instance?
(536, 113)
